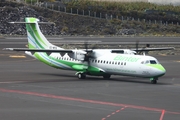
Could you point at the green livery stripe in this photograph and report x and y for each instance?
(157, 66)
(31, 19)
(39, 57)
(37, 34)
(37, 40)
(28, 27)
(30, 46)
(31, 28)
(67, 63)
(80, 67)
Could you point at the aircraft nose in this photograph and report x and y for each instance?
(160, 70)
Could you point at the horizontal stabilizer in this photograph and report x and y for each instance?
(31, 22)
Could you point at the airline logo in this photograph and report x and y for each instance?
(126, 59)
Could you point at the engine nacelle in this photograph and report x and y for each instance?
(78, 55)
(124, 51)
(130, 52)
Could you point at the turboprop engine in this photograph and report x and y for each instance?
(130, 52)
(79, 55)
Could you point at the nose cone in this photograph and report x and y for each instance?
(157, 70)
(160, 70)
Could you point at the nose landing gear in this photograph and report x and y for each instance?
(153, 80)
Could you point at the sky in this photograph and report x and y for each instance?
(174, 2)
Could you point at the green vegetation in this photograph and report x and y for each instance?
(121, 6)
(35, 1)
(136, 10)
(31, 1)
(157, 21)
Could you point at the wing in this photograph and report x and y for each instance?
(39, 50)
(75, 53)
(153, 49)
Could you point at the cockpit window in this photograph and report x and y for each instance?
(153, 62)
(147, 62)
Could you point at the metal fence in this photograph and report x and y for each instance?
(62, 8)
(125, 0)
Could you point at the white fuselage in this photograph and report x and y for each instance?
(117, 64)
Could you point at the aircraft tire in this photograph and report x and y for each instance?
(81, 75)
(106, 76)
(153, 81)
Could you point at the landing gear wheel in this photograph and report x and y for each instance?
(153, 81)
(81, 75)
(106, 76)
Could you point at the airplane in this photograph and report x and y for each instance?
(94, 62)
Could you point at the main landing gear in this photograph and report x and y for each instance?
(153, 80)
(81, 75)
(106, 76)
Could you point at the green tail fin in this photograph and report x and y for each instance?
(35, 37)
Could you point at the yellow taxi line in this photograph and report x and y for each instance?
(17, 56)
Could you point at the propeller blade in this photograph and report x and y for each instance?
(88, 53)
(86, 45)
(137, 45)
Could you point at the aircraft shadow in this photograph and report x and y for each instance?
(60, 77)
(137, 80)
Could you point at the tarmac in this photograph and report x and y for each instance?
(31, 90)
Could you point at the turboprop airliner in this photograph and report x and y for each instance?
(95, 62)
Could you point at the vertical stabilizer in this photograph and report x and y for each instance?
(35, 37)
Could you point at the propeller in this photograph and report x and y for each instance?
(88, 53)
(86, 58)
(137, 46)
(147, 45)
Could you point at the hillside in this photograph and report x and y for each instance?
(68, 24)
